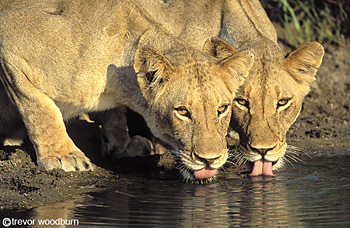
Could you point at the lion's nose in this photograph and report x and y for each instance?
(262, 151)
(210, 160)
(206, 160)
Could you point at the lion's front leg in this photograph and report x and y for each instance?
(115, 135)
(44, 123)
(46, 129)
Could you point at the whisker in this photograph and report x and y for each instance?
(230, 163)
(294, 149)
(286, 160)
(293, 157)
(293, 153)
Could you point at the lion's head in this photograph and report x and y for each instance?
(269, 102)
(190, 101)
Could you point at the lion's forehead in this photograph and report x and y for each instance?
(205, 98)
(198, 98)
(275, 85)
(202, 96)
(201, 84)
(197, 86)
(270, 76)
(199, 71)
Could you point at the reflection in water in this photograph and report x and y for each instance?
(57, 215)
(311, 194)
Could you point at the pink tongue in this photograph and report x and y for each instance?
(205, 173)
(262, 167)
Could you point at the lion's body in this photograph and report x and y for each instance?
(258, 117)
(61, 58)
(240, 22)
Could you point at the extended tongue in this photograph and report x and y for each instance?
(257, 168)
(205, 173)
(262, 167)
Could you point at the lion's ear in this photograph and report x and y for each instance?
(152, 69)
(238, 66)
(304, 62)
(218, 48)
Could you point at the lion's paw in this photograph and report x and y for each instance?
(137, 147)
(75, 161)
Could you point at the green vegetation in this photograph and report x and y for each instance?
(325, 21)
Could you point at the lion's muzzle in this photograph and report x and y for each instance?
(201, 167)
(209, 170)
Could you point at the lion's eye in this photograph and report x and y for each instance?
(242, 102)
(183, 111)
(283, 102)
(222, 109)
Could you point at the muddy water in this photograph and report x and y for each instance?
(310, 194)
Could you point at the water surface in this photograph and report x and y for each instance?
(315, 193)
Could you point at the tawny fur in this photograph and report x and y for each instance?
(62, 58)
(261, 123)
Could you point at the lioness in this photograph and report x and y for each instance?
(61, 58)
(271, 98)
